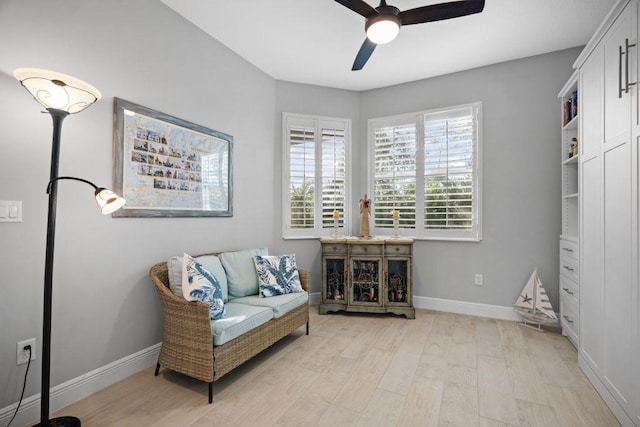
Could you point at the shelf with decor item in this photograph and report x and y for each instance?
(369, 275)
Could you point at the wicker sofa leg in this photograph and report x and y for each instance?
(158, 367)
(211, 392)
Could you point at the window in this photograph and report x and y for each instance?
(315, 180)
(426, 165)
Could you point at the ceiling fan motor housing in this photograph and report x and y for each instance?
(385, 13)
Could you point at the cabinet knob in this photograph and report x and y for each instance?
(397, 249)
(365, 249)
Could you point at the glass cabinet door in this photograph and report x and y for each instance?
(398, 288)
(334, 275)
(366, 275)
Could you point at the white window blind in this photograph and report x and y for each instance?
(449, 166)
(333, 174)
(302, 176)
(426, 165)
(395, 174)
(315, 181)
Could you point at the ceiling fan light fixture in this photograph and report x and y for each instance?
(382, 28)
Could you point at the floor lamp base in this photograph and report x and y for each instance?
(62, 422)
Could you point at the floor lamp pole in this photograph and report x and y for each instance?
(58, 116)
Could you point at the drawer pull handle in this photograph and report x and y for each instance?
(567, 249)
(567, 319)
(567, 268)
(567, 291)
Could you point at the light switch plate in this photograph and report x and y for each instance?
(10, 211)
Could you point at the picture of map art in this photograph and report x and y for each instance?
(169, 167)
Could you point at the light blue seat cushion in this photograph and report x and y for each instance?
(241, 271)
(238, 319)
(280, 304)
(210, 262)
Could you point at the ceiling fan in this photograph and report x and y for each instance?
(383, 23)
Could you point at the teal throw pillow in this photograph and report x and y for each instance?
(200, 285)
(277, 275)
(241, 272)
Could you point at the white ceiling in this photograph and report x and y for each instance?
(315, 41)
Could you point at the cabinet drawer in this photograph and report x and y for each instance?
(366, 249)
(334, 248)
(570, 249)
(569, 267)
(569, 288)
(570, 318)
(397, 250)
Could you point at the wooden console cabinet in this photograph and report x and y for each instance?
(370, 275)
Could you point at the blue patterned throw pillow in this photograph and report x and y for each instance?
(277, 275)
(200, 285)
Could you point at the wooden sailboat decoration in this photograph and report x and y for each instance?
(533, 304)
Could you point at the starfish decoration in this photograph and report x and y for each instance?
(526, 298)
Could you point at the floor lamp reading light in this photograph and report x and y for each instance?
(61, 95)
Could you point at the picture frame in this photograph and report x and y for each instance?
(168, 167)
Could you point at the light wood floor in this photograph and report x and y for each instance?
(363, 370)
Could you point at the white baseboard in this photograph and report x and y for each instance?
(470, 308)
(315, 298)
(452, 306)
(80, 387)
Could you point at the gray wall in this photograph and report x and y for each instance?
(105, 307)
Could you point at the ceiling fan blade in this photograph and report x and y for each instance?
(363, 54)
(359, 6)
(438, 12)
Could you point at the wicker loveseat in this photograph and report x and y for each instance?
(187, 342)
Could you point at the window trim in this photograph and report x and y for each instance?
(317, 231)
(417, 118)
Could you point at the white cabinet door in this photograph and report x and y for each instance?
(591, 283)
(617, 187)
(590, 100)
(617, 64)
(618, 296)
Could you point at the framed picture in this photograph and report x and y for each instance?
(168, 167)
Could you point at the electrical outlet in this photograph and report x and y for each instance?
(478, 279)
(22, 354)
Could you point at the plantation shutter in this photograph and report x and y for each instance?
(449, 169)
(314, 174)
(301, 141)
(394, 176)
(333, 172)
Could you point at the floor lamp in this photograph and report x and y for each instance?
(61, 95)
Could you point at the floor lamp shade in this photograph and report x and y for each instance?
(61, 95)
(56, 90)
(108, 201)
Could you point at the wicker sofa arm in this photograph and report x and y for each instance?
(304, 279)
(187, 339)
